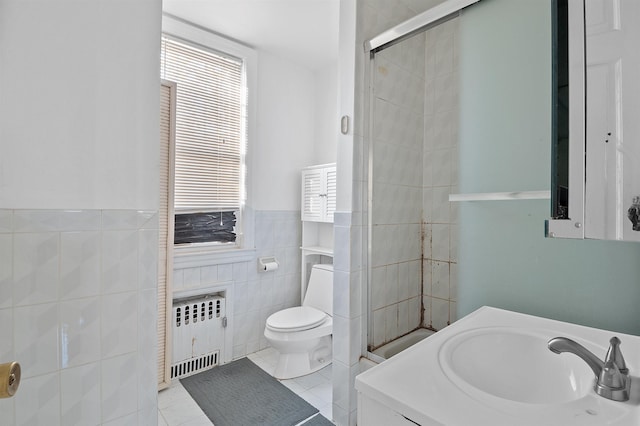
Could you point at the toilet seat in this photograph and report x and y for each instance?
(298, 318)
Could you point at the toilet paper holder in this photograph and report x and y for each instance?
(267, 263)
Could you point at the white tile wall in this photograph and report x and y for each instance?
(441, 162)
(80, 332)
(119, 388)
(38, 401)
(347, 328)
(399, 137)
(6, 262)
(35, 267)
(77, 310)
(80, 394)
(398, 130)
(256, 294)
(36, 338)
(118, 323)
(80, 264)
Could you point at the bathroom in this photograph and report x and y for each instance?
(503, 256)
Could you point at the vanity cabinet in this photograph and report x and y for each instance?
(596, 170)
(372, 413)
(319, 193)
(317, 207)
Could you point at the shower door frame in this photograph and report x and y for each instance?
(424, 21)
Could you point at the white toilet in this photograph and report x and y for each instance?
(302, 335)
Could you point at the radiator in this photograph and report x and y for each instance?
(198, 334)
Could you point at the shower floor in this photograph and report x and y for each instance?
(396, 346)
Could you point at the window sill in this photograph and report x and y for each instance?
(194, 257)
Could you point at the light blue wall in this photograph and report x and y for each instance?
(505, 260)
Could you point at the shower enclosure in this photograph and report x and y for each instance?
(411, 144)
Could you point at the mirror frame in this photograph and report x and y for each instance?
(573, 227)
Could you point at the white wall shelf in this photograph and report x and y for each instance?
(318, 206)
(502, 196)
(325, 251)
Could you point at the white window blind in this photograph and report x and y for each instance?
(210, 127)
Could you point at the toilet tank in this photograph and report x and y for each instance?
(320, 289)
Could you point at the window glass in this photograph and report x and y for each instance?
(210, 136)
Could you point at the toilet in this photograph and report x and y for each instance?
(302, 334)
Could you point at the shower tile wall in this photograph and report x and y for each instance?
(256, 294)
(414, 132)
(370, 18)
(398, 133)
(440, 178)
(77, 310)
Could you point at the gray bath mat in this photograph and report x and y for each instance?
(318, 420)
(242, 394)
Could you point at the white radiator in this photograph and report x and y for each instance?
(198, 334)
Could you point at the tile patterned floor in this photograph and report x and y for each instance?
(176, 408)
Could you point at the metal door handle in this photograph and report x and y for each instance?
(9, 379)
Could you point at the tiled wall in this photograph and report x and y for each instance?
(78, 311)
(395, 262)
(440, 267)
(397, 147)
(348, 291)
(414, 144)
(256, 295)
(366, 18)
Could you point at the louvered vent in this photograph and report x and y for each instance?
(311, 192)
(195, 365)
(331, 194)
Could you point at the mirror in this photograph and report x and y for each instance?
(560, 111)
(595, 131)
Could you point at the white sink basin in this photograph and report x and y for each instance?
(516, 365)
(493, 367)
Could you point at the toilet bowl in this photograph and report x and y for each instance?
(302, 335)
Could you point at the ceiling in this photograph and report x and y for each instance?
(302, 31)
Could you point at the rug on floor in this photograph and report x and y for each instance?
(318, 420)
(242, 394)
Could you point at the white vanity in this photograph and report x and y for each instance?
(493, 367)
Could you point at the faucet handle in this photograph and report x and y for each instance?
(614, 354)
(611, 376)
(612, 384)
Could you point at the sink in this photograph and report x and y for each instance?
(516, 365)
(493, 367)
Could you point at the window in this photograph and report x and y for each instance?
(210, 142)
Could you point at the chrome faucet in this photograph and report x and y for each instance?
(612, 375)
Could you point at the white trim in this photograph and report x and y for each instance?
(201, 291)
(191, 32)
(319, 166)
(198, 257)
(168, 244)
(501, 196)
(199, 35)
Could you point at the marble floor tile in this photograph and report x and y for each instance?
(177, 408)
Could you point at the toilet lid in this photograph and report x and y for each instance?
(296, 319)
